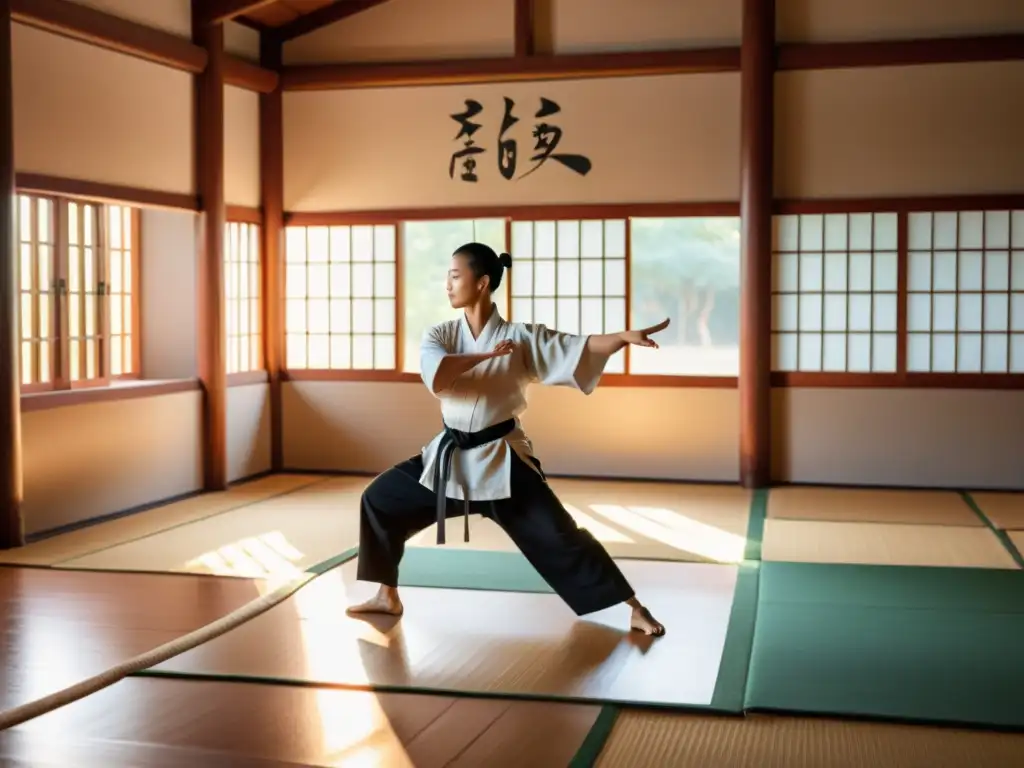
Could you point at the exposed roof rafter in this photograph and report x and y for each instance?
(214, 11)
(321, 17)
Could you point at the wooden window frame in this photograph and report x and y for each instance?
(256, 372)
(60, 381)
(901, 378)
(510, 214)
(391, 374)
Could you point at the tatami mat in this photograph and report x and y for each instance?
(640, 520)
(863, 505)
(277, 537)
(1017, 537)
(640, 739)
(79, 543)
(656, 521)
(489, 643)
(1005, 510)
(188, 724)
(806, 541)
(925, 644)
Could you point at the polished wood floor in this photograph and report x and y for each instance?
(60, 627)
(156, 723)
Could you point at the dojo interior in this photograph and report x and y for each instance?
(231, 224)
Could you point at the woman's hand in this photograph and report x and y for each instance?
(503, 348)
(641, 338)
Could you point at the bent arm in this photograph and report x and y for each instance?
(450, 367)
(439, 365)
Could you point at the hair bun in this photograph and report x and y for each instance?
(506, 260)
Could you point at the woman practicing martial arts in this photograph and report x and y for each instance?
(479, 367)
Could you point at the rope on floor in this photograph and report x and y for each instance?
(18, 715)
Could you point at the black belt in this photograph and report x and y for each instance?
(450, 440)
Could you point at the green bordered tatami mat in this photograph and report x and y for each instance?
(1003, 536)
(919, 644)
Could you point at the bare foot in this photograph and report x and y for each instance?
(386, 602)
(643, 621)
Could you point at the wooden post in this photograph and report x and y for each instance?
(209, 137)
(757, 73)
(12, 528)
(272, 202)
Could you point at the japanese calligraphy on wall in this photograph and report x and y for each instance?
(477, 153)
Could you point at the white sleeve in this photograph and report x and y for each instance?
(432, 352)
(562, 359)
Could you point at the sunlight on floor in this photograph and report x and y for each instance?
(677, 531)
(600, 531)
(358, 736)
(267, 556)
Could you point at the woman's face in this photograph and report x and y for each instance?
(464, 290)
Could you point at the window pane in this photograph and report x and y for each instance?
(961, 297)
(243, 299)
(427, 248)
(346, 269)
(687, 269)
(841, 285)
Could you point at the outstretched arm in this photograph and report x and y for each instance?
(608, 344)
(562, 359)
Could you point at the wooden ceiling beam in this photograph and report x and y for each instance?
(87, 25)
(508, 69)
(321, 17)
(895, 53)
(216, 11)
(788, 56)
(245, 74)
(104, 30)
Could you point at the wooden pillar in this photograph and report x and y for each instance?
(272, 202)
(757, 73)
(209, 137)
(525, 32)
(12, 530)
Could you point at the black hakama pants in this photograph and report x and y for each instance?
(395, 507)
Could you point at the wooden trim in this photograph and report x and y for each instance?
(246, 378)
(756, 184)
(209, 157)
(256, 26)
(44, 401)
(382, 376)
(87, 25)
(217, 11)
(12, 527)
(575, 66)
(272, 250)
(554, 212)
(243, 214)
(322, 17)
(899, 53)
(100, 192)
(815, 380)
(137, 294)
(786, 57)
(244, 74)
(901, 204)
(608, 380)
(525, 29)
(515, 213)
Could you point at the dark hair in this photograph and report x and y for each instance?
(484, 261)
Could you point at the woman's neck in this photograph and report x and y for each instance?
(477, 316)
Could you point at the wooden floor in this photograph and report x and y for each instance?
(61, 625)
